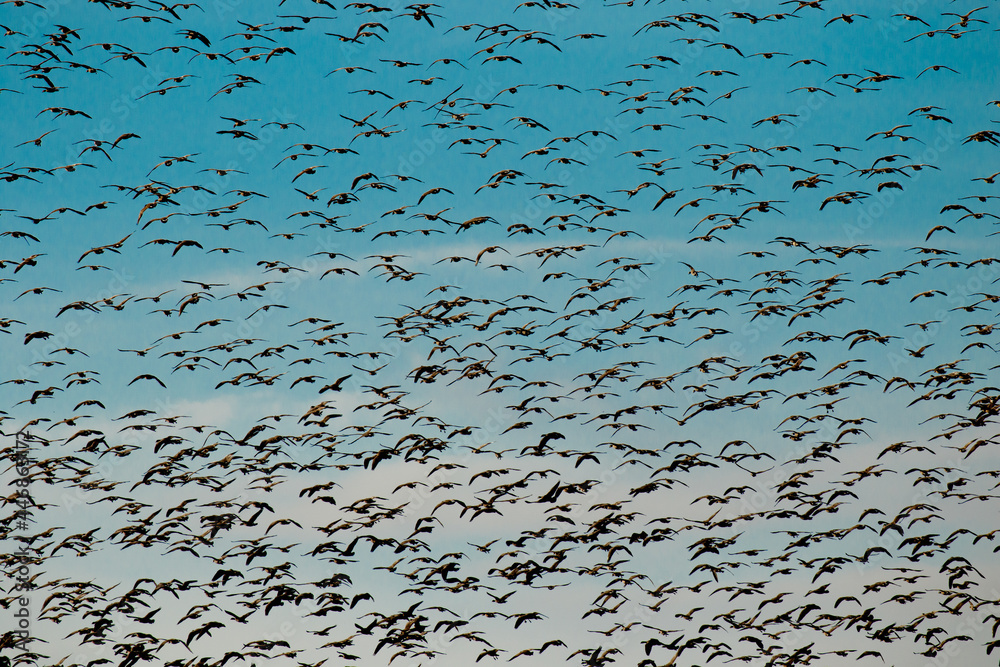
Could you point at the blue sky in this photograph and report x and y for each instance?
(492, 265)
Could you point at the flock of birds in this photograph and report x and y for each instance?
(602, 333)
